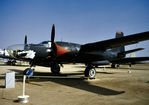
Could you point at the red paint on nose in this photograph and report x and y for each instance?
(61, 50)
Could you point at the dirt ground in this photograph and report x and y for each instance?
(111, 86)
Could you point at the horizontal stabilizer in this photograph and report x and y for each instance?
(130, 51)
(131, 60)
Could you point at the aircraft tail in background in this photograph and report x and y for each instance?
(121, 49)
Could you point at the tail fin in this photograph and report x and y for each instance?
(120, 49)
(119, 34)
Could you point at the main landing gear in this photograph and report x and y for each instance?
(113, 65)
(11, 62)
(55, 68)
(90, 72)
(129, 68)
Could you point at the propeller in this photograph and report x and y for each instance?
(53, 34)
(25, 43)
(53, 47)
(25, 40)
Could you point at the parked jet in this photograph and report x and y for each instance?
(53, 54)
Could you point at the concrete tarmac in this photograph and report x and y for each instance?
(111, 86)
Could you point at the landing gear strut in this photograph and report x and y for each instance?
(113, 65)
(55, 68)
(129, 68)
(90, 72)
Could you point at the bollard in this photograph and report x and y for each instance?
(24, 98)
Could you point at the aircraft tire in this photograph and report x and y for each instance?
(90, 72)
(55, 68)
(13, 63)
(113, 66)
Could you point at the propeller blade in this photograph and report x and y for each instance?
(25, 40)
(25, 43)
(53, 34)
(53, 47)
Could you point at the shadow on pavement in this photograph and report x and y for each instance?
(70, 79)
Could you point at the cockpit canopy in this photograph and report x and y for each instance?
(46, 43)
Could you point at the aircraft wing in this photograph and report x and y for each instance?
(116, 42)
(132, 60)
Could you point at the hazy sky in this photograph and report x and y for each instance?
(80, 21)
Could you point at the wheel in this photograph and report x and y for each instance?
(13, 63)
(96, 66)
(55, 68)
(117, 65)
(113, 66)
(90, 72)
(9, 63)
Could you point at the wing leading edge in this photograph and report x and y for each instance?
(116, 42)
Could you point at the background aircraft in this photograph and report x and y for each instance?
(4, 54)
(53, 54)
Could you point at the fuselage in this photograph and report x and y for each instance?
(66, 53)
(70, 53)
